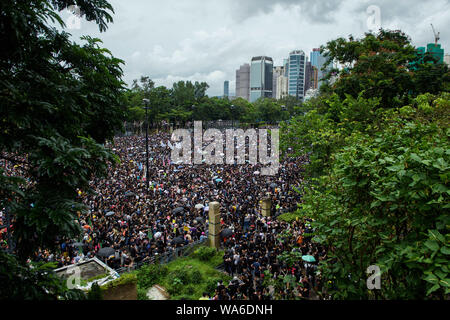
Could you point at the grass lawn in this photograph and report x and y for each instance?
(185, 278)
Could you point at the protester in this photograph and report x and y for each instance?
(141, 223)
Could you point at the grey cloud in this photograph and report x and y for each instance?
(314, 11)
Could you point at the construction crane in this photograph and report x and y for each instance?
(436, 36)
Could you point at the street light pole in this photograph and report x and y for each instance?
(146, 101)
(232, 115)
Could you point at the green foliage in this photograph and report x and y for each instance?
(187, 101)
(180, 275)
(60, 101)
(385, 202)
(290, 257)
(196, 276)
(378, 141)
(211, 285)
(288, 216)
(184, 278)
(21, 282)
(142, 294)
(385, 66)
(149, 275)
(95, 293)
(204, 253)
(124, 279)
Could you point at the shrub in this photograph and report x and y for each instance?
(190, 290)
(142, 294)
(196, 276)
(211, 285)
(180, 273)
(204, 253)
(95, 293)
(150, 274)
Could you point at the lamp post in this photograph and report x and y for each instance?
(232, 115)
(283, 109)
(146, 101)
(192, 117)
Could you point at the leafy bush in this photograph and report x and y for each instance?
(95, 293)
(142, 294)
(288, 216)
(212, 285)
(150, 274)
(189, 290)
(126, 278)
(195, 276)
(385, 202)
(204, 253)
(180, 273)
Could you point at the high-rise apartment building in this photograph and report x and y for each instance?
(243, 81)
(296, 74)
(277, 72)
(261, 77)
(226, 89)
(282, 87)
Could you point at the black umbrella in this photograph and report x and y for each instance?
(178, 210)
(225, 233)
(178, 240)
(199, 219)
(106, 252)
(129, 194)
(78, 244)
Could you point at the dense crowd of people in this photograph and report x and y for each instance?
(140, 223)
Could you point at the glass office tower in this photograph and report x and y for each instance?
(296, 74)
(261, 77)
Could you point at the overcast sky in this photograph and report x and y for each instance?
(207, 40)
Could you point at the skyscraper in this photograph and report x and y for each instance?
(261, 77)
(447, 59)
(277, 72)
(243, 81)
(282, 87)
(296, 74)
(226, 91)
(318, 60)
(308, 75)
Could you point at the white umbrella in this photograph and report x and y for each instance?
(157, 235)
(199, 206)
(256, 172)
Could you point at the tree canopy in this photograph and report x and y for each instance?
(60, 101)
(377, 187)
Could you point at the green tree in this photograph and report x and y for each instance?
(60, 101)
(382, 66)
(385, 203)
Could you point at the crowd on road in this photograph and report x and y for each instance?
(140, 223)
